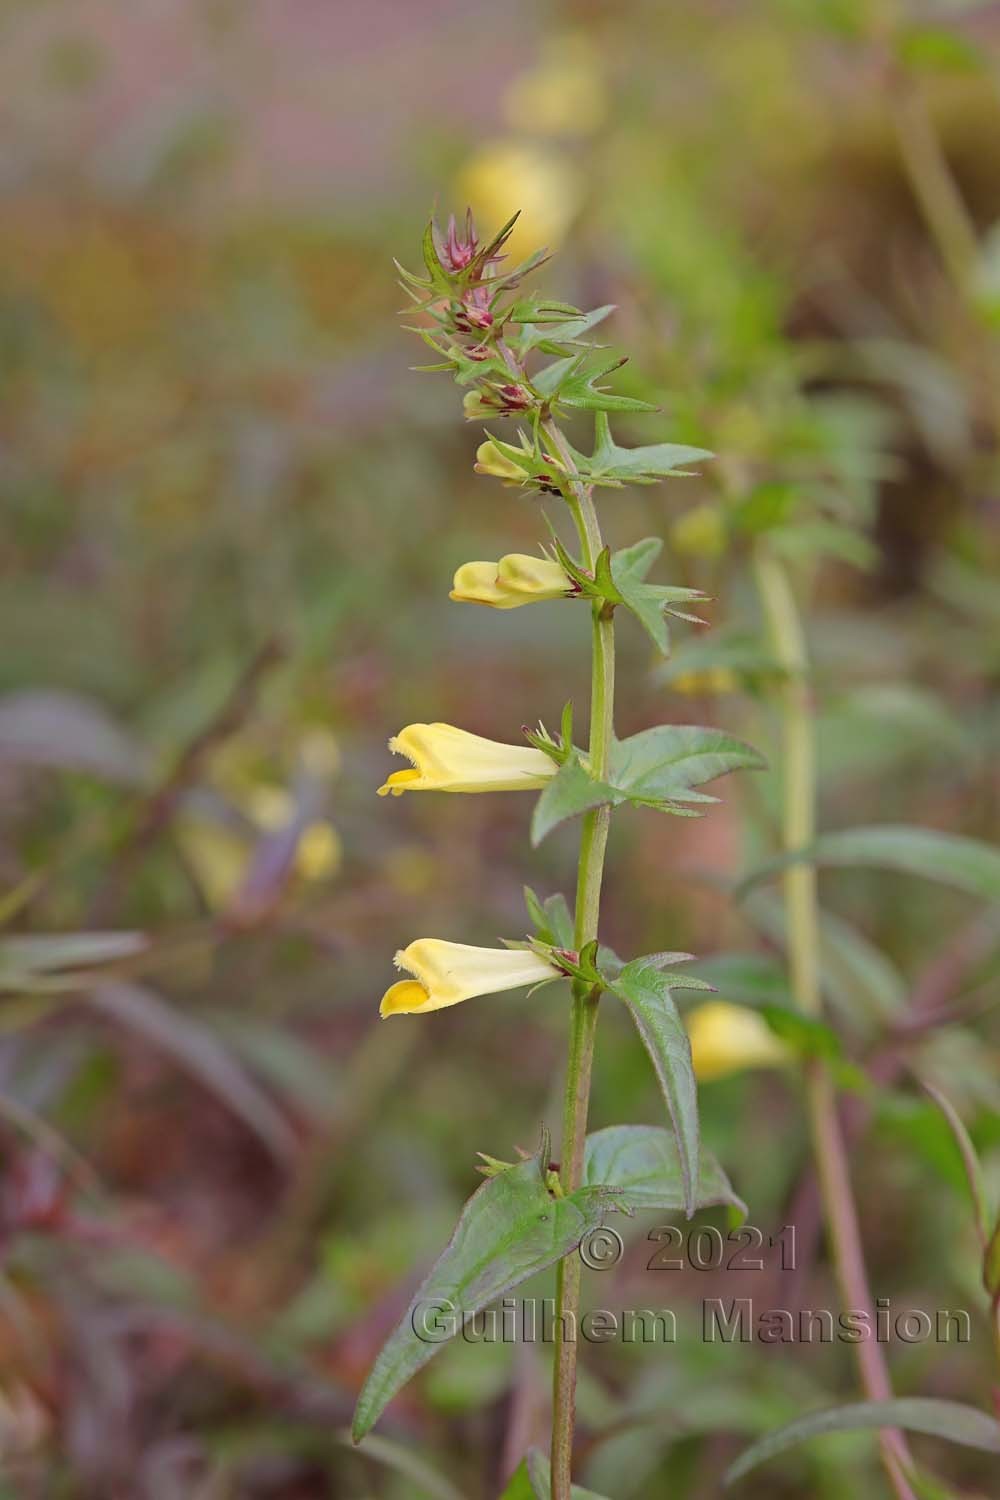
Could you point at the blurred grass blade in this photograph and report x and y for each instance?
(43, 952)
(201, 1055)
(68, 732)
(427, 1482)
(965, 1425)
(967, 864)
(46, 963)
(970, 1160)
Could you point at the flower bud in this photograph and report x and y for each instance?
(489, 460)
(515, 580)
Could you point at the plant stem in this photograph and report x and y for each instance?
(593, 842)
(933, 185)
(802, 917)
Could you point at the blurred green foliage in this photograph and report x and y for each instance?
(231, 515)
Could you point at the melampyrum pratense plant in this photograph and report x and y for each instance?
(527, 358)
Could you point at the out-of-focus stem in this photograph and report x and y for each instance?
(802, 918)
(593, 842)
(933, 185)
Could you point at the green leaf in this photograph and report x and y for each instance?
(609, 464)
(744, 655)
(807, 539)
(657, 768)
(533, 1481)
(967, 864)
(661, 766)
(806, 1035)
(643, 1161)
(571, 791)
(620, 579)
(651, 603)
(950, 1420)
(572, 382)
(548, 336)
(646, 992)
(552, 919)
(538, 309)
(938, 48)
(637, 559)
(509, 1229)
(747, 978)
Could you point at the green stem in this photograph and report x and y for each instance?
(802, 917)
(593, 842)
(933, 185)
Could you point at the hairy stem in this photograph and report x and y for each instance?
(593, 842)
(802, 917)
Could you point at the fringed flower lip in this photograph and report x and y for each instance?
(446, 973)
(447, 759)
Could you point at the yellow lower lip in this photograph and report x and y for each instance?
(404, 998)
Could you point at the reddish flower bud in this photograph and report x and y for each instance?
(454, 252)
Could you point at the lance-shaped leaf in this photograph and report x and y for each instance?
(533, 1481)
(510, 1228)
(609, 464)
(644, 1162)
(656, 768)
(967, 864)
(646, 992)
(950, 1420)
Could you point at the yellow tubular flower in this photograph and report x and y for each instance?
(515, 580)
(728, 1038)
(446, 973)
(447, 759)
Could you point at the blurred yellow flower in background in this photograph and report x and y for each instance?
(319, 753)
(729, 1038)
(700, 532)
(319, 853)
(446, 973)
(447, 759)
(516, 579)
(217, 856)
(271, 807)
(707, 680)
(565, 93)
(506, 175)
